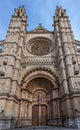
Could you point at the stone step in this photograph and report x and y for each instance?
(43, 128)
(48, 128)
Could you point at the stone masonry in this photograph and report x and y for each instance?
(39, 74)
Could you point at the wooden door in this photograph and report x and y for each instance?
(43, 115)
(35, 115)
(39, 119)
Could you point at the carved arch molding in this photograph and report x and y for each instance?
(39, 72)
(42, 99)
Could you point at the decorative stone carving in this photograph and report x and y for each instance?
(40, 70)
(75, 65)
(5, 61)
(2, 71)
(76, 69)
(20, 12)
(59, 12)
(13, 48)
(40, 29)
(77, 84)
(6, 48)
(2, 83)
(40, 46)
(39, 61)
(39, 96)
(74, 59)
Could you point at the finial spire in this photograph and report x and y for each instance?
(20, 12)
(60, 12)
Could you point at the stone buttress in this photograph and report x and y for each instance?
(10, 58)
(69, 73)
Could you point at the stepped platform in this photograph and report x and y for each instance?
(42, 128)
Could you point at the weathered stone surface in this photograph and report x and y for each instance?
(39, 74)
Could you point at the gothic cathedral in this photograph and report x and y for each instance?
(39, 74)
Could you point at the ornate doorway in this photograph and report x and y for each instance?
(42, 98)
(39, 109)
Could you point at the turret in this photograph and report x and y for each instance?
(12, 54)
(68, 63)
(65, 37)
(59, 14)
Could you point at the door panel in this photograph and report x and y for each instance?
(35, 115)
(43, 115)
(39, 119)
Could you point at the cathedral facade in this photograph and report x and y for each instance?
(39, 74)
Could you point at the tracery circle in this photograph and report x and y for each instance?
(40, 46)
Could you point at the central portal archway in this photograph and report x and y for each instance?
(40, 102)
(39, 87)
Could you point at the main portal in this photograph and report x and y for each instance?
(40, 102)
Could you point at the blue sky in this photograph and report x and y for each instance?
(40, 11)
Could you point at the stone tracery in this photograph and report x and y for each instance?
(40, 46)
